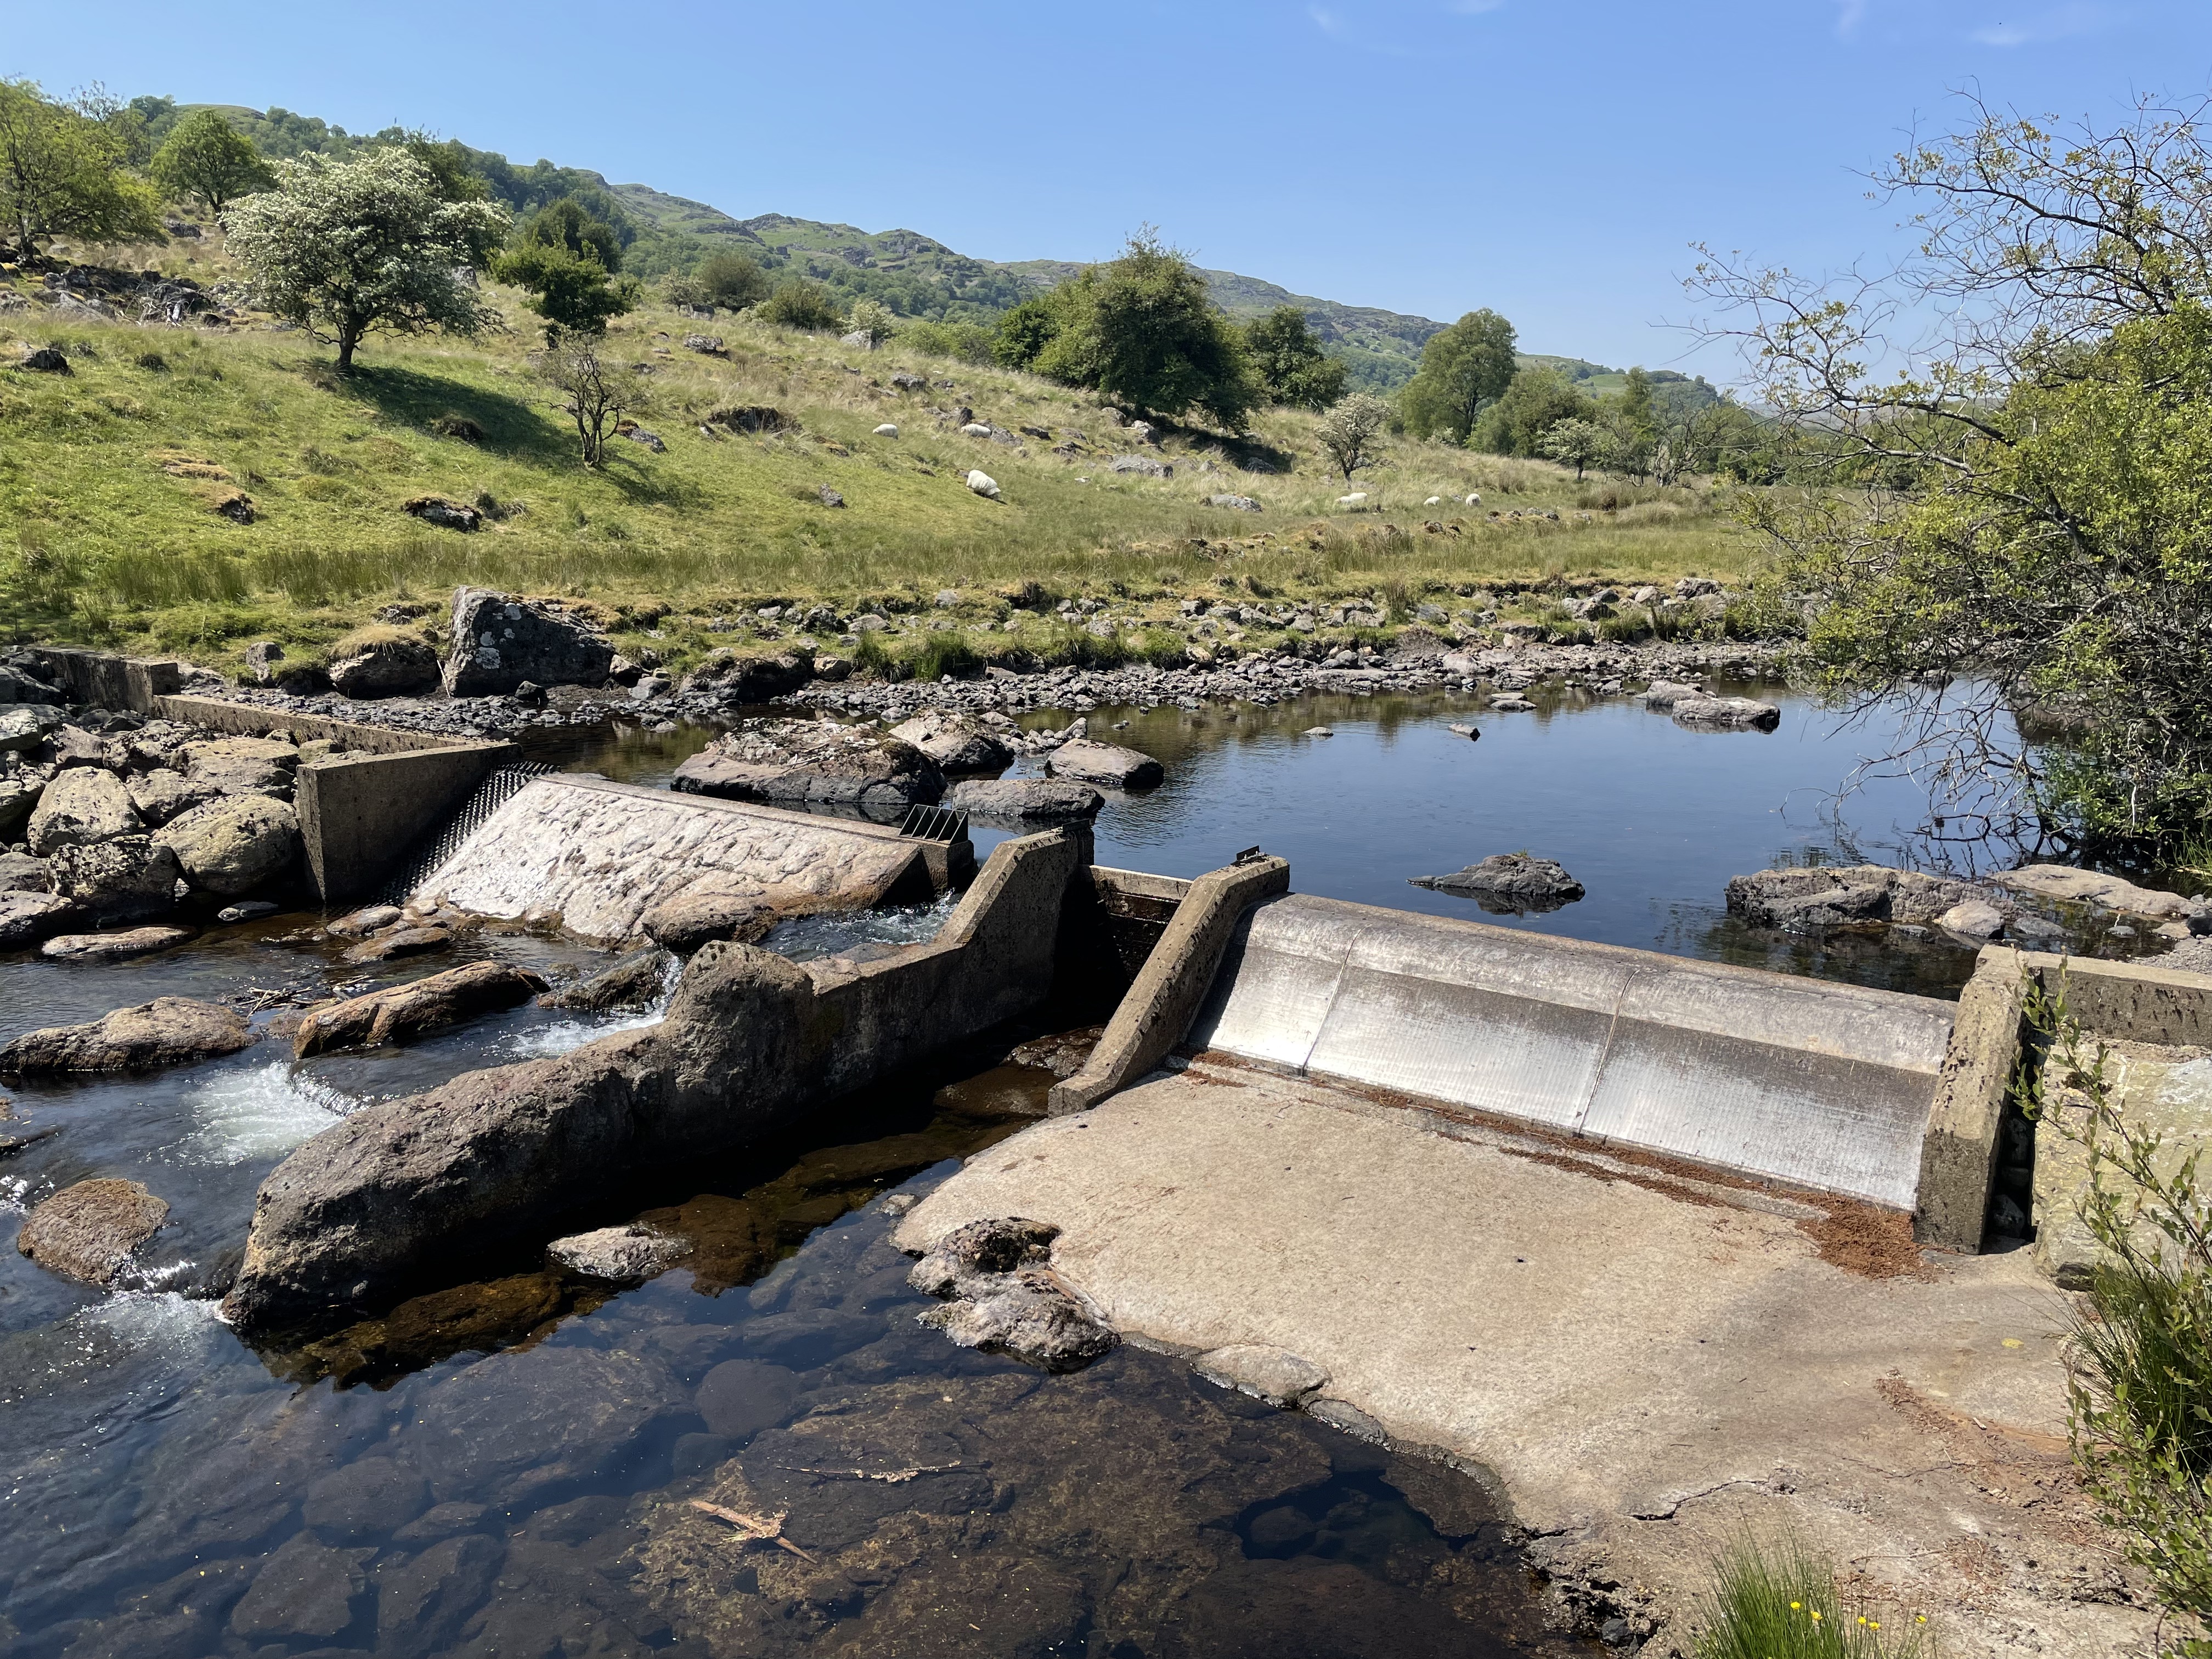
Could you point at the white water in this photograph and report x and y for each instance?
(261, 1112)
(563, 1036)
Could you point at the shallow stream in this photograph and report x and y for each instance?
(510, 1468)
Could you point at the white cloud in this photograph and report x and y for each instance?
(1849, 14)
(2057, 23)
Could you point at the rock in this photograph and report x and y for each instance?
(740, 1397)
(1511, 702)
(262, 657)
(118, 880)
(1973, 921)
(73, 745)
(241, 766)
(252, 910)
(399, 1012)
(1726, 714)
(740, 679)
(983, 484)
(44, 359)
(1106, 763)
(161, 794)
(652, 440)
(21, 873)
(789, 760)
(27, 918)
(829, 497)
(89, 1231)
(1143, 466)
(80, 808)
(1510, 884)
(858, 340)
(1274, 1375)
(24, 728)
(1695, 587)
(19, 798)
(1004, 1298)
(1143, 432)
(167, 1031)
(422, 1604)
(499, 640)
(636, 981)
(1838, 896)
(886, 430)
(445, 514)
(397, 666)
(709, 345)
(1662, 695)
(362, 1501)
(700, 915)
(1024, 800)
(957, 743)
(236, 844)
(907, 381)
(620, 1255)
(398, 942)
(1235, 503)
(19, 687)
(365, 920)
(2060, 881)
(306, 1592)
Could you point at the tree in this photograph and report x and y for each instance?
(732, 281)
(1463, 367)
(874, 319)
(1024, 332)
(1350, 432)
(61, 175)
(1536, 400)
(1288, 360)
(564, 257)
(1635, 424)
(343, 248)
(207, 158)
(798, 302)
(2018, 507)
(1143, 331)
(596, 392)
(1577, 443)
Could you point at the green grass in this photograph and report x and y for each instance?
(109, 478)
(1780, 1602)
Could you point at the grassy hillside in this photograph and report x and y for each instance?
(110, 477)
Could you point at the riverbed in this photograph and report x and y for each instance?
(513, 1466)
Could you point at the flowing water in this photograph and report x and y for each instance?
(511, 1466)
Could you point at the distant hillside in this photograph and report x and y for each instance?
(913, 273)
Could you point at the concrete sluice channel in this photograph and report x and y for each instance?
(1501, 1207)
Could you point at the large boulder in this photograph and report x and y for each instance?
(1725, 714)
(383, 663)
(634, 981)
(1106, 764)
(1023, 800)
(91, 1230)
(80, 808)
(27, 918)
(1510, 884)
(24, 728)
(21, 873)
(795, 760)
(501, 640)
(705, 912)
(733, 678)
(167, 1031)
(233, 845)
(118, 880)
(957, 743)
(241, 766)
(399, 1012)
(19, 798)
(161, 794)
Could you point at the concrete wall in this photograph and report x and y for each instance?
(1959, 1152)
(109, 681)
(248, 720)
(359, 814)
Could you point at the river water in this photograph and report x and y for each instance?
(511, 1467)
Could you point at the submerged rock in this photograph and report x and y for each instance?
(115, 947)
(794, 761)
(167, 1031)
(620, 1255)
(400, 1011)
(1510, 884)
(1024, 800)
(1107, 763)
(1003, 1296)
(89, 1231)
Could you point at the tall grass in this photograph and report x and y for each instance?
(1780, 1602)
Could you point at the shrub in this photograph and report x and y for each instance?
(969, 343)
(1784, 1605)
(801, 303)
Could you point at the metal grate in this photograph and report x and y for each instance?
(433, 846)
(933, 823)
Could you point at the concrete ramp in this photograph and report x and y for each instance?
(591, 856)
(1822, 1085)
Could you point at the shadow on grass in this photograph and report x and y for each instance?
(511, 428)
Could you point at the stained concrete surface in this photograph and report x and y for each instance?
(1643, 1361)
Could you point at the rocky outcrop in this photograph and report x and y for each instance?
(797, 760)
(400, 1011)
(233, 845)
(620, 1255)
(957, 743)
(120, 880)
(167, 1031)
(386, 666)
(117, 947)
(737, 679)
(1002, 1295)
(79, 807)
(1106, 764)
(2064, 881)
(501, 641)
(1725, 714)
(1510, 884)
(90, 1231)
(1024, 800)
(1834, 897)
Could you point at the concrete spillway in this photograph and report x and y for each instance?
(1819, 1085)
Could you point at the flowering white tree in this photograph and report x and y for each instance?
(345, 247)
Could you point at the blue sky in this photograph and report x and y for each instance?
(1552, 161)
